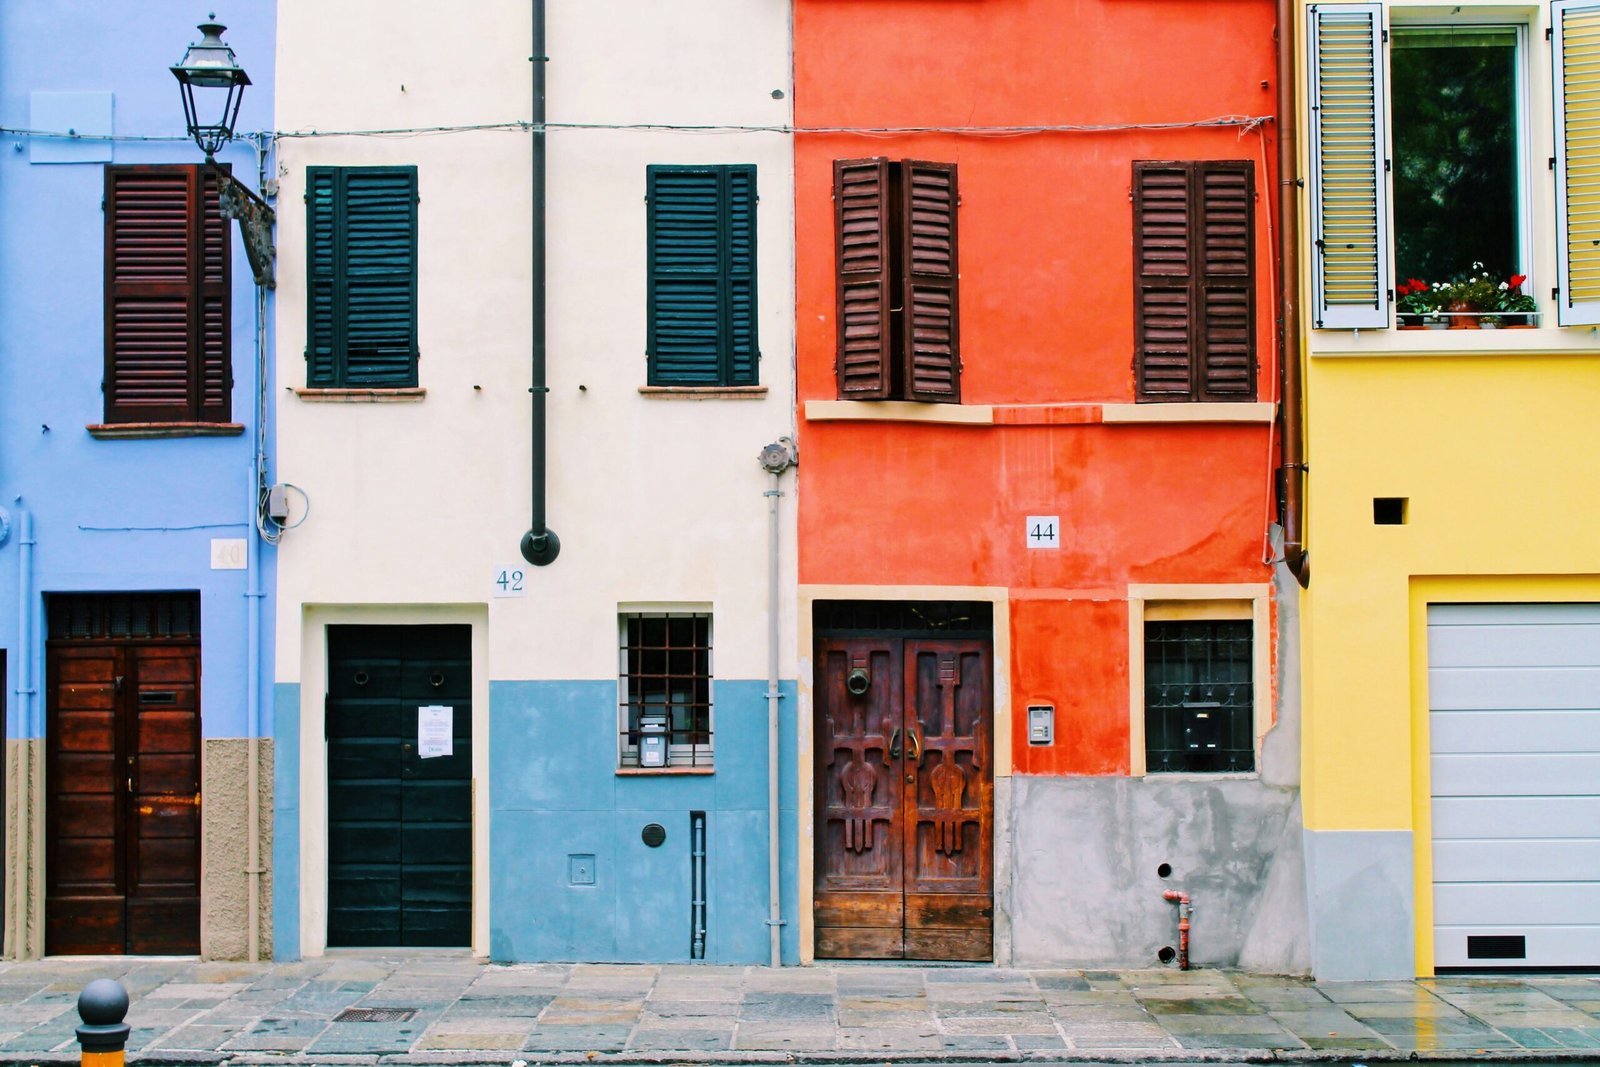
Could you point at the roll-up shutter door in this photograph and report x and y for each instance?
(1514, 722)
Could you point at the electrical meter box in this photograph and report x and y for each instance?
(1041, 724)
(653, 738)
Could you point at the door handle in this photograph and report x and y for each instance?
(894, 743)
(914, 746)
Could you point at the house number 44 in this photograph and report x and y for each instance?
(1043, 531)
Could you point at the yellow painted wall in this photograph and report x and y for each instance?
(1497, 456)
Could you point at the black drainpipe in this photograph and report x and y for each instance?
(540, 546)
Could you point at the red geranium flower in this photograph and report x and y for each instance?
(1516, 280)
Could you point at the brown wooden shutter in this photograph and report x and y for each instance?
(166, 315)
(931, 337)
(216, 368)
(1194, 280)
(1225, 249)
(1162, 273)
(861, 216)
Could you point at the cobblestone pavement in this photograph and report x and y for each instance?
(467, 1011)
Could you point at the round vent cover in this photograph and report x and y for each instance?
(654, 834)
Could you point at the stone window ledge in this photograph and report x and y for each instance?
(703, 392)
(114, 430)
(407, 395)
(654, 772)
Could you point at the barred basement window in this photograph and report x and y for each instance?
(1199, 697)
(665, 711)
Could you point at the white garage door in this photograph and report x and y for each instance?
(1514, 717)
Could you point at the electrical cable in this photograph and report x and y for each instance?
(1244, 123)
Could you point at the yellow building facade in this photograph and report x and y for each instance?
(1451, 627)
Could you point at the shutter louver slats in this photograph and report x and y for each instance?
(322, 273)
(362, 270)
(743, 355)
(861, 215)
(1194, 275)
(1350, 255)
(702, 275)
(167, 299)
(1227, 279)
(1576, 41)
(928, 213)
(216, 379)
(379, 267)
(1163, 314)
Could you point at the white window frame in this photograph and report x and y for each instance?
(628, 754)
(1407, 18)
(1386, 17)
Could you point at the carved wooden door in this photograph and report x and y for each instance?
(904, 799)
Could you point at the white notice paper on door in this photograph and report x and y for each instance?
(433, 730)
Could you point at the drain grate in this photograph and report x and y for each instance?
(375, 1015)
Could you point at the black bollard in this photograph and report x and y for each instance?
(103, 1035)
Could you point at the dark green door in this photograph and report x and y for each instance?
(399, 822)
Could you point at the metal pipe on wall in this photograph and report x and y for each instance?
(25, 702)
(1293, 430)
(774, 890)
(775, 459)
(540, 546)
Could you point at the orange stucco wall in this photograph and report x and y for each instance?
(1046, 319)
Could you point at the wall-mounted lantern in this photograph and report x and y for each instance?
(212, 83)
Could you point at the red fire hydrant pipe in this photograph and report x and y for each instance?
(1185, 909)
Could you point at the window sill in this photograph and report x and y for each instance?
(107, 431)
(656, 772)
(1190, 411)
(898, 411)
(1037, 414)
(703, 392)
(1537, 341)
(404, 395)
(1201, 776)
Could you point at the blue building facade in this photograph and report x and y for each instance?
(135, 444)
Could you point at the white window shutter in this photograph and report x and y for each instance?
(1349, 186)
(1576, 79)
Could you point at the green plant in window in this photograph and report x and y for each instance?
(1513, 301)
(1418, 299)
(1474, 292)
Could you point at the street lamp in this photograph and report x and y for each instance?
(210, 68)
(213, 84)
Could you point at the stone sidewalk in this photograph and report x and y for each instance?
(458, 1010)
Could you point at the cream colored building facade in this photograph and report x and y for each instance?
(412, 500)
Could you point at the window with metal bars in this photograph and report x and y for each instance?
(122, 616)
(1199, 700)
(666, 690)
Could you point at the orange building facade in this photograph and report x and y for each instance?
(1037, 389)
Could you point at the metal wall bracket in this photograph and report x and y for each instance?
(256, 219)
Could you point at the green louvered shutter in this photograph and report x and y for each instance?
(1349, 212)
(702, 284)
(362, 271)
(1576, 43)
(322, 277)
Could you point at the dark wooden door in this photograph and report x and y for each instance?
(399, 824)
(122, 866)
(904, 799)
